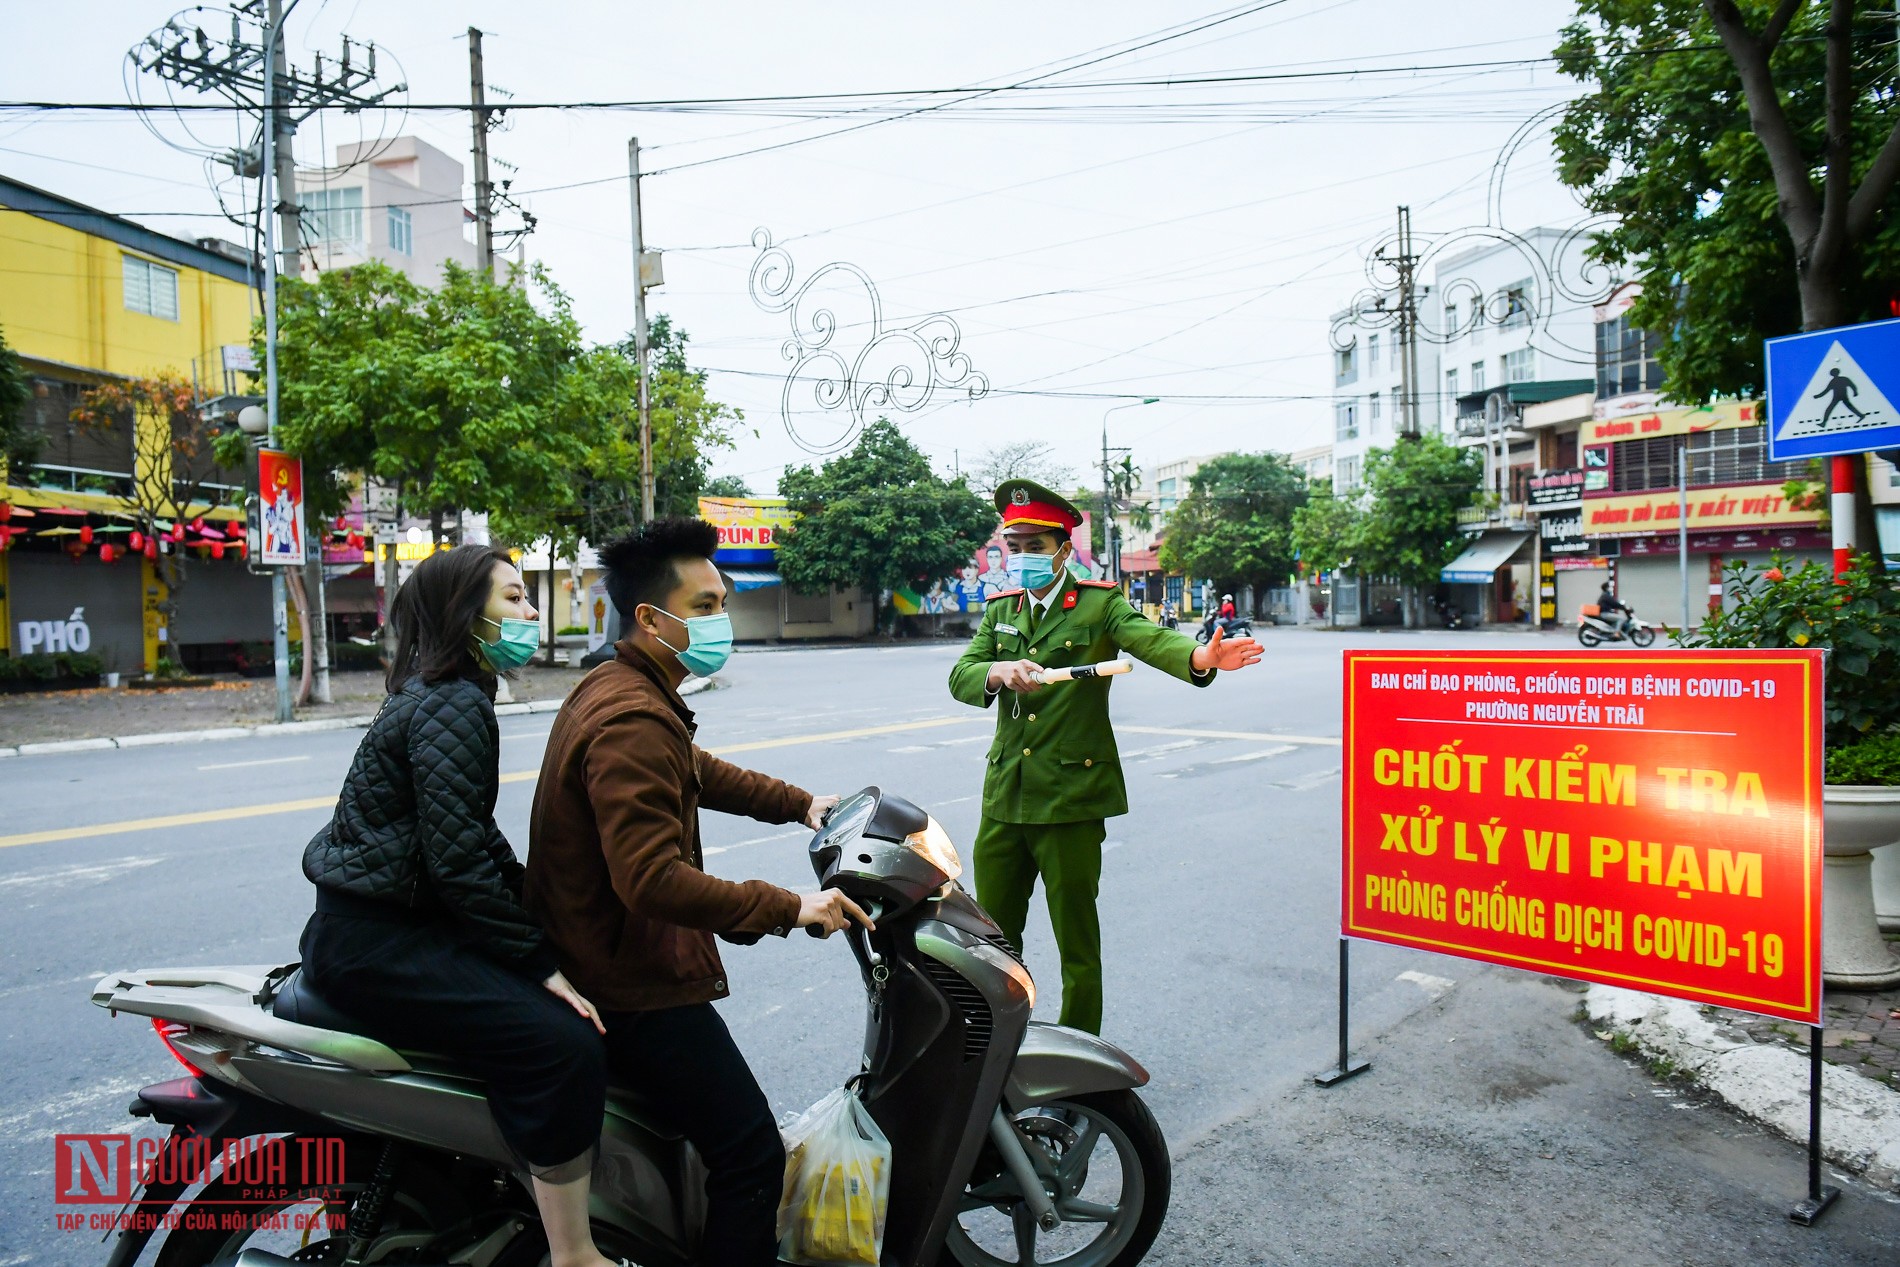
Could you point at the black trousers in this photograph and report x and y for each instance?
(689, 1074)
(421, 986)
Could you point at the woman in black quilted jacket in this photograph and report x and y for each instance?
(419, 931)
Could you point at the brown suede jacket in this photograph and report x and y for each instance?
(614, 865)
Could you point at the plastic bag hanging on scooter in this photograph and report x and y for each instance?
(837, 1185)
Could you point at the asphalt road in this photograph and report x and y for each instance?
(1493, 1128)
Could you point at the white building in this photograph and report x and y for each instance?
(398, 201)
(1315, 462)
(1367, 393)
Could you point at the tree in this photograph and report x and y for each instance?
(1748, 153)
(878, 517)
(1410, 530)
(726, 486)
(1326, 529)
(1235, 525)
(19, 439)
(1020, 459)
(179, 459)
(464, 397)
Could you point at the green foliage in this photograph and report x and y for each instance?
(726, 486)
(1663, 143)
(1875, 761)
(475, 395)
(1857, 620)
(50, 666)
(569, 630)
(1416, 487)
(1326, 529)
(878, 517)
(1235, 526)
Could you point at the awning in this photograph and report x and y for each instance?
(744, 579)
(1136, 562)
(1483, 557)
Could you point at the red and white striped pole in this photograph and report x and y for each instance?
(1841, 512)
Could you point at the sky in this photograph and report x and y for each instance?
(1093, 246)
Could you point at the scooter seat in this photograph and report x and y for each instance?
(295, 1000)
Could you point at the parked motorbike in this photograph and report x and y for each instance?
(1013, 1141)
(1451, 614)
(1238, 627)
(1593, 627)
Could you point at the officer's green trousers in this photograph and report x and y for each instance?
(1007, 859)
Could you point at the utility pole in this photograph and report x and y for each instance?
(1111, 566)
(484, 190)
(646, 272)
(1407, 263)
(258, 77)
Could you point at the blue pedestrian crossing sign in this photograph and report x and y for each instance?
(1833, 391)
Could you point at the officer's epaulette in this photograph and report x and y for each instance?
(1005, 594)
(1101, 585)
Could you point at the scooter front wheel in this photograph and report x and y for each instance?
(1642, 636)
(1102, 1160)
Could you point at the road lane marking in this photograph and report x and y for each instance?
(236, 812)
(756, 840)
(1159, 750)
(1253, 756)
(60, 877)
(1264, 736)
(239, 765)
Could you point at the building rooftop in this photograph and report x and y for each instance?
(32, 201)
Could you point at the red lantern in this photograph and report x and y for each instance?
(198, 524)
(151, 547)
(136, 541)
(217, 549)
(85, 534)
(341, 523)
(107, 553)
(178, 532)
(6, 511)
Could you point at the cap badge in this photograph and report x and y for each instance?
(1020, 497)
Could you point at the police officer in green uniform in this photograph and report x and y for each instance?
(1054, 774)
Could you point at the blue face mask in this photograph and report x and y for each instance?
(1032, 571)
(708, 642)
(513, 647)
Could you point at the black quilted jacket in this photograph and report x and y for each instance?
(415, 824)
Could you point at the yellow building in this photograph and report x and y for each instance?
(86, 297)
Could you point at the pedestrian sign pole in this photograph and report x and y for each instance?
(1831, 394)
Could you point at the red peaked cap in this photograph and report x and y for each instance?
(1029, 507)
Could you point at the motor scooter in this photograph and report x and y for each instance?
(1012, 1141)
(1237, 627)
(1593, 627)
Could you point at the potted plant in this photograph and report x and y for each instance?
(1856, 618)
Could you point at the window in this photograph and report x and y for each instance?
(1626, 359)
(1346, 422)
(1372, 353)
(1738, 455)
(1372, 412)
(1519, 366)
(1451, 392)
(334, 217)
(1517, 304)
(1345, 364)
(1451, 319)
(1348, 473)
(150, 288)
(1165, 493)
(402, 234)
(1640, 465)
(1477, 376)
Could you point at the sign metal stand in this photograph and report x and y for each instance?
(1819, 1198)
(1347, 1067)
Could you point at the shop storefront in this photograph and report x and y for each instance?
(1492, 579)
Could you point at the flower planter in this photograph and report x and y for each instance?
(1858, 819)
(1886, 875)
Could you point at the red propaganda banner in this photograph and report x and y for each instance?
(1650, 820)
(280, 498)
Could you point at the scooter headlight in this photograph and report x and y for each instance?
(933, 846)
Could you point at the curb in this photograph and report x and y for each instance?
(692, 686)
(1861, 1129)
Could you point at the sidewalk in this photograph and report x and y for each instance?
(1760, 1066)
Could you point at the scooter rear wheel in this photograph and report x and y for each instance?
(1103, 1159)
(1588, 636)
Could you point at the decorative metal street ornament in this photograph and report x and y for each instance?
(858, 365)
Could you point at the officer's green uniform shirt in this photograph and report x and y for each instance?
(1054, 759)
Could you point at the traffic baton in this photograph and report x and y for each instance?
(1107, 668)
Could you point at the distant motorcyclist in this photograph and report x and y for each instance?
(1168, 619)
(1613, 609)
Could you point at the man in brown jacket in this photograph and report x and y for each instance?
(615, 875)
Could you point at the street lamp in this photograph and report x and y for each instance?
(1111, 570)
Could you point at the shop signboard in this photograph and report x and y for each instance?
(1561, 533)
(1720, 416)
(1556, 488)
(748, 527)
(1646, 819)
(280, 494)
(1738, 506)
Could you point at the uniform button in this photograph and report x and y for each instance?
(1088, 761)
(1033, 650)
(1025, 752)
(1068, 644)
(1032, 717)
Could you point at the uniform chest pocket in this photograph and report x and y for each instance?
(1069, 644)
